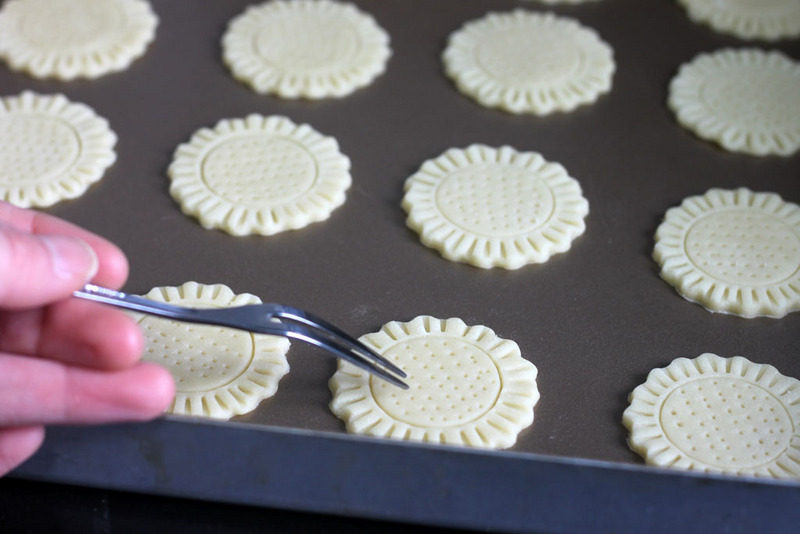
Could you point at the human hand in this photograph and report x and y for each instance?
(63, 360)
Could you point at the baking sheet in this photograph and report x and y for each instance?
(594, 320)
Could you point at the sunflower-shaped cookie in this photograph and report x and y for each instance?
(733, 251)
(495, 207)
(526, 62)
(51, 149)
(467, 386)
(259, 175)
(717, 415)
(305, 48)
(69, 39)
(748, 19)
(219, 372)
(745, 100)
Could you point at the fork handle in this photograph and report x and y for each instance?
(131, 302)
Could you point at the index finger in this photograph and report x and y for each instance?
(35, 391)
(112, 263)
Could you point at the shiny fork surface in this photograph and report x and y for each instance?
(267, 318)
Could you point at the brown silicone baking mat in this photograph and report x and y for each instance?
(594, 320)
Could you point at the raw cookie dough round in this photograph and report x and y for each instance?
(51, 149)
(219, 372)
(67, 39)
(305, 48)
(495, 207)
(259, 175)
(466, 386)
(526, 62)
(733, 251)
(717, 415)
(748, 19)
(746, 100)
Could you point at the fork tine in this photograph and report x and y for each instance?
(319, 324)
(343, 350)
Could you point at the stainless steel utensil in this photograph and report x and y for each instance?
(267, 318)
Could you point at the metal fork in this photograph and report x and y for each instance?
(267, 318)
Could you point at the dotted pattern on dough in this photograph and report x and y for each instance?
(259, 170)
(743, 247)
(305, 48)
(455, 382)
(745, 100)
(467, 386)
(259, 175)
(325, 45)
(494, 207)
(200, 358)
(219, 372)
(726, 422)
(94, 26)
(36, 149)
(51, 149)
(495, 200)
(521, 58)
(769, 20)
(69, 39)
(719, 415)
(749, 95)
(526, 62)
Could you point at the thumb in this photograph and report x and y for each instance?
(39, 269)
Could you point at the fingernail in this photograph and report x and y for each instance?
(71, 257)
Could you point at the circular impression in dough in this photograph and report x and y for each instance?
(67, 39)
(746, 100)
(733, 251)
(526, 62)
(495, 207)
(259, 175)
(466, 386)
(305, 48)
(748, 19)
(51, 149)
(717, 415)
(218, 372)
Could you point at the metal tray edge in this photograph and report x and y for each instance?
(414, 483)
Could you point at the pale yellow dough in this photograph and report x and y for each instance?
(717, 415)
(305, 48)
(527, 62)
(746, 100)
(259, 175)
(218, 372)
(768, 20)
(68, 39)
(495, 207)
(733, 251)
(467, 386)
(51, 149)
